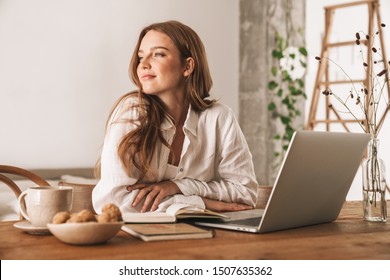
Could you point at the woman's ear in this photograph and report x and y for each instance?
(189, 66)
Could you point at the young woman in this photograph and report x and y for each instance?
(169, 142)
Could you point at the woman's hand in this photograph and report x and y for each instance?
(153, 193)
(220, 206)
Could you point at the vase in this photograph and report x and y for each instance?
(374, 184)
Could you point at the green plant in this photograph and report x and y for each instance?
(287, 87)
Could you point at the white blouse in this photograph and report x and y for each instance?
(215, 161)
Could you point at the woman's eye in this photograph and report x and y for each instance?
(140, 58)
(159, 54)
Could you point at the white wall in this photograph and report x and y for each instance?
(346, 23)
(64, 63)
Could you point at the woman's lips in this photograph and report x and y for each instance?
(147, 77)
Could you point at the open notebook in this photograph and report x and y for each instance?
(172, 214)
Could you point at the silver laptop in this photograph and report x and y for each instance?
(311, 185)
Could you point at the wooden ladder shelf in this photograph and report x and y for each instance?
(322, 78)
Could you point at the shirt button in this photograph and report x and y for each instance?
(181, 169)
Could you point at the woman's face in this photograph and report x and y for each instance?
(160, 69)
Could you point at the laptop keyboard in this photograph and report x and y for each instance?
(254, 222)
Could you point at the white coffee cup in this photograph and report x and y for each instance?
(43, 203)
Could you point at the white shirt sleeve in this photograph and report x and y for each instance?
(112, 185)
(234, 177)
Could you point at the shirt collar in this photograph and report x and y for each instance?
(167, 124)
(190, 124)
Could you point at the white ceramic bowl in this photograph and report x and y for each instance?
(85, 233)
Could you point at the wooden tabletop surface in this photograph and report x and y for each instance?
(349, 237)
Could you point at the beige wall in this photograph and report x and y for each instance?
(64, 63)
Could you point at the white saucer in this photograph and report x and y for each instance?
(29, 228)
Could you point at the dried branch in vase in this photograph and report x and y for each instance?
(364, 101)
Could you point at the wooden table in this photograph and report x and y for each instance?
(349, 237)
